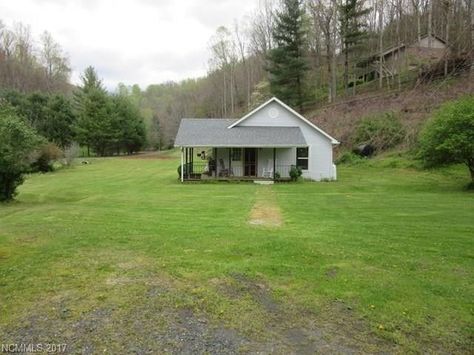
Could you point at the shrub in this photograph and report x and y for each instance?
(382, 131)
(48, 154)
(349, 158)
(71, 153)
(295, 172)
(186, 167)
(449, 136)
(18, 142)
(276, 175)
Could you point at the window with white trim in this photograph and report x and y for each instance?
(302, 158)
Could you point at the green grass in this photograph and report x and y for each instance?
(392, 243)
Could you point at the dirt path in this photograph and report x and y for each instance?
(158, 321)
(266, 211)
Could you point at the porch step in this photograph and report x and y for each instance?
(263, 182)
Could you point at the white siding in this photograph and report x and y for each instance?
(265, 160)
(237, 166)
(320, 147)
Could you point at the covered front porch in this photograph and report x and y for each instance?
(236, 163)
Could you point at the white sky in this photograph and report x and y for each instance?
(130, 41)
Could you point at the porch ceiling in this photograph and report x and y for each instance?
(200, 132)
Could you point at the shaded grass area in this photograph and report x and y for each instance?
(381, 260)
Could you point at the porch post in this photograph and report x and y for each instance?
(182, 160)
(215, 161)
(274, 162)
(230, 160)
(186, 161)
(188, 150)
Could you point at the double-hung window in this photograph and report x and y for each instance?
(302, 155)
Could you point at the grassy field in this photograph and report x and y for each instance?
(119, 256)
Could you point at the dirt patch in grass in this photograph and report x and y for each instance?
(146, 316)
(290, 329)
(26, 239)
(266, 211)
(151, 155)
(150, 325)
(3, 255)
(332, 272)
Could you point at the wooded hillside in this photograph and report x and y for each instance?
(309, 53)
(340, 42)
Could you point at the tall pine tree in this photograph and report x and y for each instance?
(353, 30)
(287, 64)
(94, 111)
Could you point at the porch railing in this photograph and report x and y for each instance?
(205, 170)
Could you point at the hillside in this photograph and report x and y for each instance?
(413, 106)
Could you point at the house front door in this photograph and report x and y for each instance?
(250, 161)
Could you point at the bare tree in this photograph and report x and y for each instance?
(224, 59)
(399, 10)
(447, 5)
(416, 9)
(242, 48)
(430, 24)
(262, 27)
(325, 17)
(55, 63)
(380, 8)
(470, 23)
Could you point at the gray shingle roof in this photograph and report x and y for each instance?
(212, 132)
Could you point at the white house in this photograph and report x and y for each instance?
(264, 144)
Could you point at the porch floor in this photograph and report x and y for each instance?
(234, 178)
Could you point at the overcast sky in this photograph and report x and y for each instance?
(130, 41)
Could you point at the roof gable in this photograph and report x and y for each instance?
(287, 108)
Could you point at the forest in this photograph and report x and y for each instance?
(333, 41)
(308, 53)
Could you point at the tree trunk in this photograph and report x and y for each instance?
(224, 106)
(399, 43)
(430, 20)
(232, 90)
(300, 94)
(471, 39)
(354, 84)
(380, 44)
(346, 68)
(446, 54)
(333, 52)
(329, 63)
(418, 25)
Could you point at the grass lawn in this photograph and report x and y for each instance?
(118, 256)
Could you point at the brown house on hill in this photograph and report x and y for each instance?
(427, 50)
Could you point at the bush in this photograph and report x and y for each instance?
(381, 131)
(186, 167)
(449, 136)
(18, 143)
(349, 158)
(71, 153)
(48, 154)
(295, 172)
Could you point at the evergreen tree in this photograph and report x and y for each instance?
(94, 113)
(287, 65)
(128, 124)
(51, 115)
(59, 127)
(353, 30)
